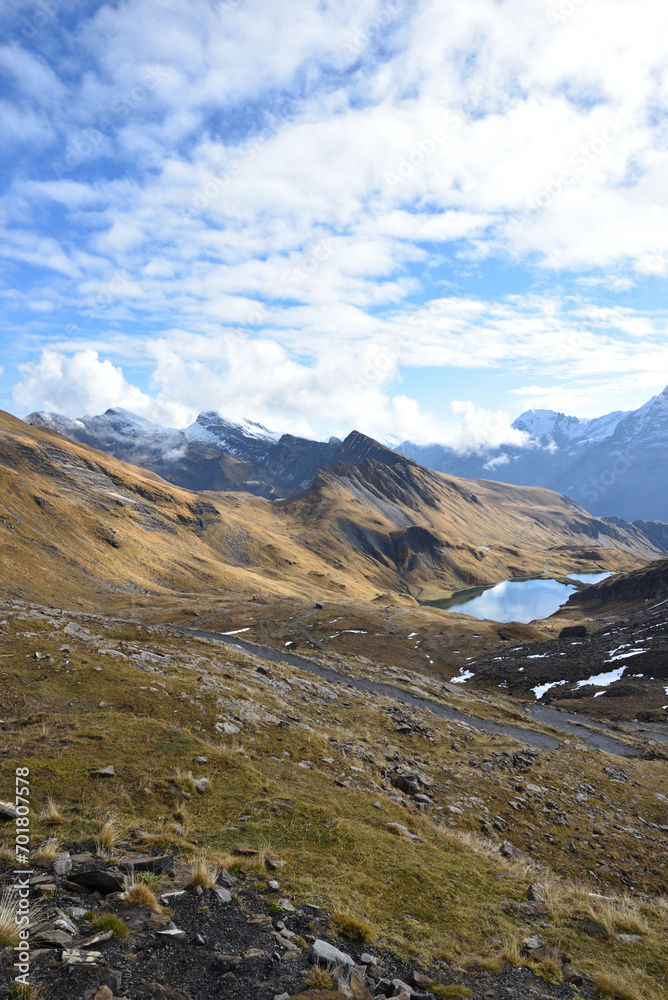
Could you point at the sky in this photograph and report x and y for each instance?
(416, 219)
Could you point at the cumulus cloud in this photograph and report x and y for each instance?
(82, 384)
(279, 188)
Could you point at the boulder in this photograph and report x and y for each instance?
(574, 632)
(100, 880)
(324, 953)
(536, 893)
(63, 864)
(162, 864)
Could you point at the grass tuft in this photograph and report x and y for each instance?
(110, 922)
(148, 879)
(48, 851)
(615, 987)
(52, 815)
(202, 873)
(319, 979)
(350, 927)
(549, 971)
(108, 836)
(9, 935)
(139, 894)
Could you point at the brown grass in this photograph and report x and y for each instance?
(319, 979)
(139, 894)
(202, 873)
(48, 851)
(615, 987)
(52, 815)
(351, 927)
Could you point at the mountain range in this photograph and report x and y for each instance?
(611, 465)
(379, 524)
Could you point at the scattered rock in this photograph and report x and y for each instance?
(508, 850)
(105, 772)
(532, 943)
(99, 880)
(403, 831)
(322, 953)
(63, 864)
(162, 864)
(574, 632)
(7, 812)
(536, 892)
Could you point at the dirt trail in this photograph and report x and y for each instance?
(585, 730)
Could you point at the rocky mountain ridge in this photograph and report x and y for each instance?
(616, 464)
(213, 453)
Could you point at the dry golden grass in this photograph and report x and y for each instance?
(616, 986)
(9, 934)
(48, 851)
(319, 979)
(52, 815)
(139, 894)
(350, 927)
(202, 873)
(184, 779)
(108, 835)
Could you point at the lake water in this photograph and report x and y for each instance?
(515, 600)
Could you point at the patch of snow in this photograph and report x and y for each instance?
(542, 689)
(625, 656)
(603, 680)
(237, 631)
(464, 676)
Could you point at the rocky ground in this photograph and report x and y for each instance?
(429, 830)
(617, 669)
(238, 938)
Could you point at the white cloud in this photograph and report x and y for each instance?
(82, 384)
(281, 171)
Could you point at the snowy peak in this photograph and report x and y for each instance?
(548, 426)
(552, 428)
(212, 426)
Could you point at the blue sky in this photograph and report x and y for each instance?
(416, 219)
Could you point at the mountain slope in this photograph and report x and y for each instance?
(615, 464)
(75, 518)
(213, 453)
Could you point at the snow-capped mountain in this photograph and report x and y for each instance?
(616, 464)
(213, 453)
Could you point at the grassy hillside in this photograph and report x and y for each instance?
(311, 773)
(77, 523)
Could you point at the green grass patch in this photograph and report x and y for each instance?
(110, 922)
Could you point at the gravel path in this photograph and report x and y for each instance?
(597, 737)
